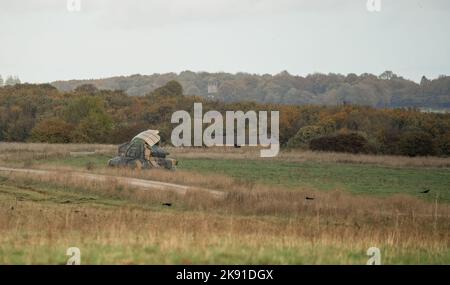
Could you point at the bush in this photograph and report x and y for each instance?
(388, 141)
(444, 145)
(86, 88)
(171, 88)
(95, 128)
(52, 130)
(304, 136)
(416, 143)
(125, 133)
(352, 142)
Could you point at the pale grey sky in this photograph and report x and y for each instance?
(41, 41)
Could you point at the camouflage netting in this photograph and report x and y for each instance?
(142, 152)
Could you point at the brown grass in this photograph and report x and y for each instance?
(48, 211)
(260, 200)
(255, 217)
(12, 152)
(26, 154)
(306, 155)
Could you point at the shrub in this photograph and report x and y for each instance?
(388, 141)
(416, 143)
(351, 142)
(86, 88)
(96, 127)
(52, 130)
(304, 136)
(171, 88)
(125, 133)
(444, 145)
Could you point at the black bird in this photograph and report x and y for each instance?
(237, 146)
(425, 192)
(167, 204)
(309, 198)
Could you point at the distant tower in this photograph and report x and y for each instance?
(213, 88)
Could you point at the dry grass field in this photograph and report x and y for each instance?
(321, 211)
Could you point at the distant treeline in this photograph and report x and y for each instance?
(385, 90)
(41, 113)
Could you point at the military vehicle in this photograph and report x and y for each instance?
(143, 152)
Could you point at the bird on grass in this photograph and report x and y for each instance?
(425, 191)
(309, 198)
(167, 204)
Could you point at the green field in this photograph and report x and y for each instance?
(356, 178)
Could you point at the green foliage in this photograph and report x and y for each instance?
(81, 107)
(16, 122)
(86, 88)
(52, 130)
(443, 144)
(171, 88)
(386, 90)
(305, 135)
(123, 133)
(416, 143)
(94, 128)
(113, 117)
(351, 142)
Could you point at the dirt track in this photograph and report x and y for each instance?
(134, 182)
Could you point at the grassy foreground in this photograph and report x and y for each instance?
(39, 223)
(263, 219)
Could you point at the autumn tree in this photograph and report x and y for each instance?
(88, 115)
(81, 107)
(416, 143)
(86, 88)
(305, 135)
(344, 142)
(94, 128)
(171, 88)
(52, 130)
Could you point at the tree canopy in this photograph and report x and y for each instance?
(386, 90)
(88, 115)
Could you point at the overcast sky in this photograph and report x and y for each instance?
(42, 41)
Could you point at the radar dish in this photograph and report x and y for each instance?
(151, 137)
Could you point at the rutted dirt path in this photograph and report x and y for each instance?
(134, 182)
